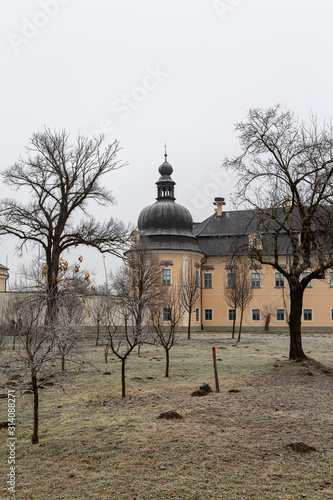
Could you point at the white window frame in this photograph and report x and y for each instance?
(330, 277)
(252, 311)
(168, 308)
(306, 273)
(211, 280)
(284, 314)
(229, 275)
(208, 309)
(308, 309)
(228, 314)
(169, 273)
(197, 314)
(278, 277)
(255, 280)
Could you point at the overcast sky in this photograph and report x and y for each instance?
(154, 71)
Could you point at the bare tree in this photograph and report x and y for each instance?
(286, 176)
(267, 313)
(166, 312)
(231, 294)
(38, 343)
(244, 291)
(190, 291)
(134, 285)
(62, 179)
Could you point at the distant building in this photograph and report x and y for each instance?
(4, 275)
(207, 245)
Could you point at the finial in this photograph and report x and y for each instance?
(165, 152)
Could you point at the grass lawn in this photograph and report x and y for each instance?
(229, 445)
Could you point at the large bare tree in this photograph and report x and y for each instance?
(285, 174)
(61, 180)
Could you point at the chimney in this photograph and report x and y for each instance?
(219, 202)
(287, 204)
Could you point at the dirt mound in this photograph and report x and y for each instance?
(199, 393)
(170, 415)
(302, 447)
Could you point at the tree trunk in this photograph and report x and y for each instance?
(189, 327)
(97, 336)
(267, 321)
(240, 326)
(34, 437)
(63, 362)
(123, 383)
(233, 326)
(296, 305)
(106, 353)
(167, 361)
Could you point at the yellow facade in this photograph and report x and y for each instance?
(3, 278)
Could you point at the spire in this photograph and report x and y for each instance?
(165, 185)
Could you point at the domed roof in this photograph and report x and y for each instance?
(165, 217)
(165, 169)
(167, 224)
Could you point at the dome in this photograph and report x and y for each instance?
(167, 225)
(165, 169)
(165, 217)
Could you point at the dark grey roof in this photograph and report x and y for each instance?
(4, 267)
(221, 235)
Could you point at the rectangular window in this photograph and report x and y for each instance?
(208, 314)
(197, 315)
(231, 280)
(208, 280)
(306, 273)
(331, 279)
(331, 314)
(166, 316)
(307, 314)
(255, 314)
(255, 280)
(231, 314)
(197, 277)
(280, 315)
(279, 280)
(166, 276)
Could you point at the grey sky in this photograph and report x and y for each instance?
(154, 71)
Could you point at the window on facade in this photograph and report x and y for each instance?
(197, 277)
(208, 314)
(280, 315)
(166, 316)
(255, 314)
(231, 280)
(255, 241)
(208, 280)
(255, 280)
(231, 314)
(166, 276)
(279, 280)
(307, 314)
(331, 314)
(197, 315)
(331, 278)
(306, 273)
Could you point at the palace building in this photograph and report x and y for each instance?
(207, 246)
